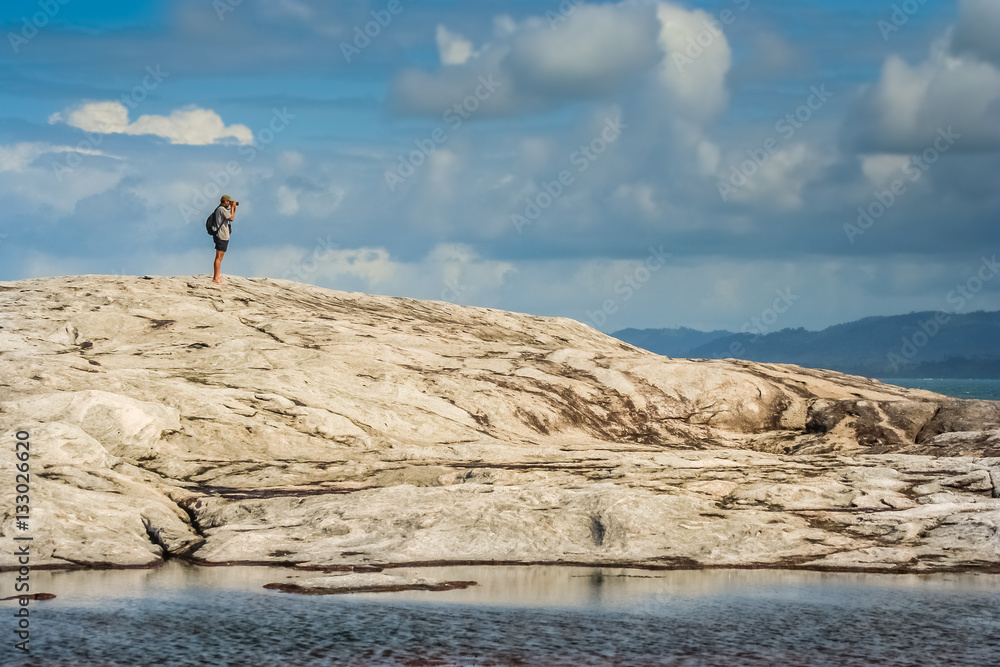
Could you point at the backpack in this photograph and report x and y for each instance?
(210, 225)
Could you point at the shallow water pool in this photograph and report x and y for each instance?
(184, 615)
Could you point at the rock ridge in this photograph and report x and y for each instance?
(272, 422)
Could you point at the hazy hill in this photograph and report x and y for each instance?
(913, 345)
(670, 342)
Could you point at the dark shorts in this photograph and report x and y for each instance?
(220, 245)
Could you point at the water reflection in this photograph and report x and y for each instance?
(504, 585)
(182, 615)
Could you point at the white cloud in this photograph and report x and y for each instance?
(504, 25)
(191, 126)
(35, 186)
(366, 268)
(305, 198)
(461, 275)
(708, 157)
(780, 182)
(288, 200)
(694, 75)
(443, 166)
(638, 199)
(164, 192)
(291, 160)
(589, 53)
(373, 265)
(38, 191)
(539, 65)
(904, 111)
(453, 49)
(882, 169)
(535, 152)
(449, 272)
(19, 157)
(978, 30)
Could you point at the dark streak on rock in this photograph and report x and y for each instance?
(32, 596)
(597, 530)
(394, 588)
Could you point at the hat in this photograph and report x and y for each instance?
(225, 198)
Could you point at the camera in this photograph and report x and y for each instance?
(236, 203)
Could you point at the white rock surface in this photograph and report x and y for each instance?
(271, 422)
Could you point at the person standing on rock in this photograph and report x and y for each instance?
(225, 214)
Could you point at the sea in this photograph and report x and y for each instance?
(183, 615)
(976, 388)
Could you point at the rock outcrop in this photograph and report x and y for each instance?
(272, 422)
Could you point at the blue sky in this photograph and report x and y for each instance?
(693, 194)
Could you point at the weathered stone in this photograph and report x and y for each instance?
(963, 443)
(977, 481)
(270, 422)
(955, 416)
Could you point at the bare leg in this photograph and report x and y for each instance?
(218, 268)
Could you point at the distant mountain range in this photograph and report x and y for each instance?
(917, 345)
